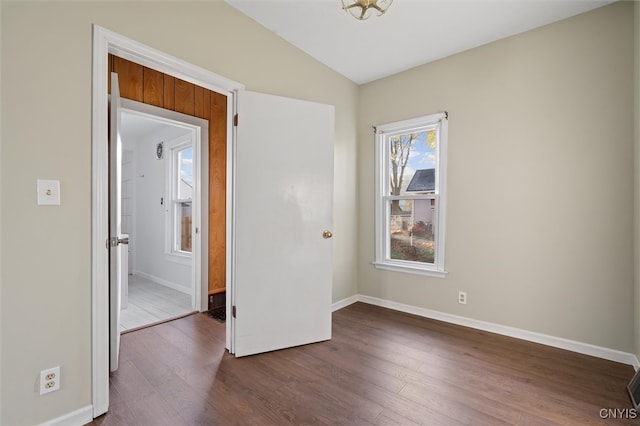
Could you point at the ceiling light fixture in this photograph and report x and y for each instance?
(362, 9)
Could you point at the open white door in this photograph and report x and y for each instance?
(283, 210)
(115, 227)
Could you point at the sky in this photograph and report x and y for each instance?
(186, 165)
(422, 156)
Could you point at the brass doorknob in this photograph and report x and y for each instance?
(327, 234)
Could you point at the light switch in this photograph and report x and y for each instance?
(48, 192)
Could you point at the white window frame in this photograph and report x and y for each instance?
(173, 147)
(383, 133)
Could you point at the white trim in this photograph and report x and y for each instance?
(81, 416)
(410, 269)
(162, 115)
(344, 303)
(172, 178)
(99, 227)
(148, 56)
(406, 125)
(181, 259)
(530, 336)
(104, 42)
(441, 208)
(161, 281)
(232, 110)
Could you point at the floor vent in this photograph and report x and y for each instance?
(219, 314)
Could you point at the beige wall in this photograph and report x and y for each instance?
(540, 196)
(1, 286)
(46, 129)
(636, 179)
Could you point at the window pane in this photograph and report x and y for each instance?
(185, 166)
(184, 226)
(412, 162)
(412, 228)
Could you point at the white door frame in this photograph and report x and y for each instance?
(105, 42)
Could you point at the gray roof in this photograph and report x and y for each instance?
(422, 181)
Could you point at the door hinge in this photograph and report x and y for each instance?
(233, 311)
(235, 120)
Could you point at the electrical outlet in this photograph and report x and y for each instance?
(49, 380)
(462, 297)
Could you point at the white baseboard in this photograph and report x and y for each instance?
(557, 342)
(163, 282)
(344, 303)
(79, 417)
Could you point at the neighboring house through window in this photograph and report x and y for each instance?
(410, 195)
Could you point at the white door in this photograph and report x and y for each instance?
(283, 212)
(115, 224)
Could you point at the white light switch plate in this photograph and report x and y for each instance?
(48, 192)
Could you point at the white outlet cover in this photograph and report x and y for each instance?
(48, 192)
(53, 383)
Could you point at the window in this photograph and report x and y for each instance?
(180, 198)
(410, 195)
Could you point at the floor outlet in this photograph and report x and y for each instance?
(49, 380)
(462, 297)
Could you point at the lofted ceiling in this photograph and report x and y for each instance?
(411, 33)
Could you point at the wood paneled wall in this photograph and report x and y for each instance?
(152, 87)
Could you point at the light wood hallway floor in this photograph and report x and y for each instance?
(380, 367)
(150, 303)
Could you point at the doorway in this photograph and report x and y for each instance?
(106, 43)
(160, 190)
(308, 291)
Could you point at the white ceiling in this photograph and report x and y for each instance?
(135, 127)
(411, 33)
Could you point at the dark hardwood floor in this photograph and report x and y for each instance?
(381, 367)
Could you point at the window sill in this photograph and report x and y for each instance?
(183, 259)
(410, 269)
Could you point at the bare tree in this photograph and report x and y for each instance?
(400, 150)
